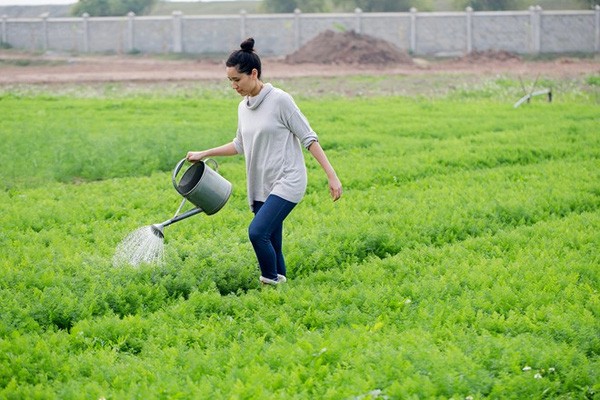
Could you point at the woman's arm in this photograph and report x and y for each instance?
(335, 186)
(225, 150)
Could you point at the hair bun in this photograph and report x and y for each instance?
(248, 45)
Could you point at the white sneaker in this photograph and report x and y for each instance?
(267, 281)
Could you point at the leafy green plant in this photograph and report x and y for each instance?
(461, 261)
(593, 80)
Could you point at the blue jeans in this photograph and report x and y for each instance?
(266, 234)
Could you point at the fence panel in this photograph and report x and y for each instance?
(65, 35)
(153, 35)
(108, 35)
(210, 35)
(441, 33)
(27, 34)
(423, 33)
(502, 31)
(276, 33)
(567, 32)
(313, 24)
(395, 28)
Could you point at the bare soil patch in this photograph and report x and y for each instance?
(25, 68)
(491, 56)
(330, 47)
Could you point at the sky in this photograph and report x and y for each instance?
(34, 2)
(44, 2)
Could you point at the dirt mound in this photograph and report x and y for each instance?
(491, 55)
(330, 47)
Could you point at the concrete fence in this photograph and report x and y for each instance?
(534, 31)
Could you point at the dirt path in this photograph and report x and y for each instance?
(20, 68)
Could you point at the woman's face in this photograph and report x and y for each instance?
(244, 84)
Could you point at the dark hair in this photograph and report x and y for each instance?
(245, 59)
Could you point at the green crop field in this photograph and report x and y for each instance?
(462, 261)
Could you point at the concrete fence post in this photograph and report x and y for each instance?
(413, 30)
(531, 29)
(538, 39)
(469, 14)
(130, 31)
(297, 28)
(44, 18)
(358, 13)
(177, 32)
(243, 16)
(597, 39)
(535, 23)
(4, 31)
(86, 32)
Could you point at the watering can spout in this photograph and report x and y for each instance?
(157, 230)
(203, 187)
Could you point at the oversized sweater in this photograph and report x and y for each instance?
(271, 133)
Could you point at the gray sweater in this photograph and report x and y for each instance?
(271, 132)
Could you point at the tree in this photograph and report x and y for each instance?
(103, 8)
(491, 5)
(288, 6)
(589, 4)
(382, 5)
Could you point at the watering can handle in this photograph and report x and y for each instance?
(180, 165)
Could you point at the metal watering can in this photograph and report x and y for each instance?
(201, 186)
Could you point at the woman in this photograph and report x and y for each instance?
(271, 130)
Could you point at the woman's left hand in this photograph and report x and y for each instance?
(335, 188)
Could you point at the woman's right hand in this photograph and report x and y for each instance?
(195, 156)
(225, 150)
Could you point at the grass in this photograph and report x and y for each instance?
(461, 262)
(28, 62)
